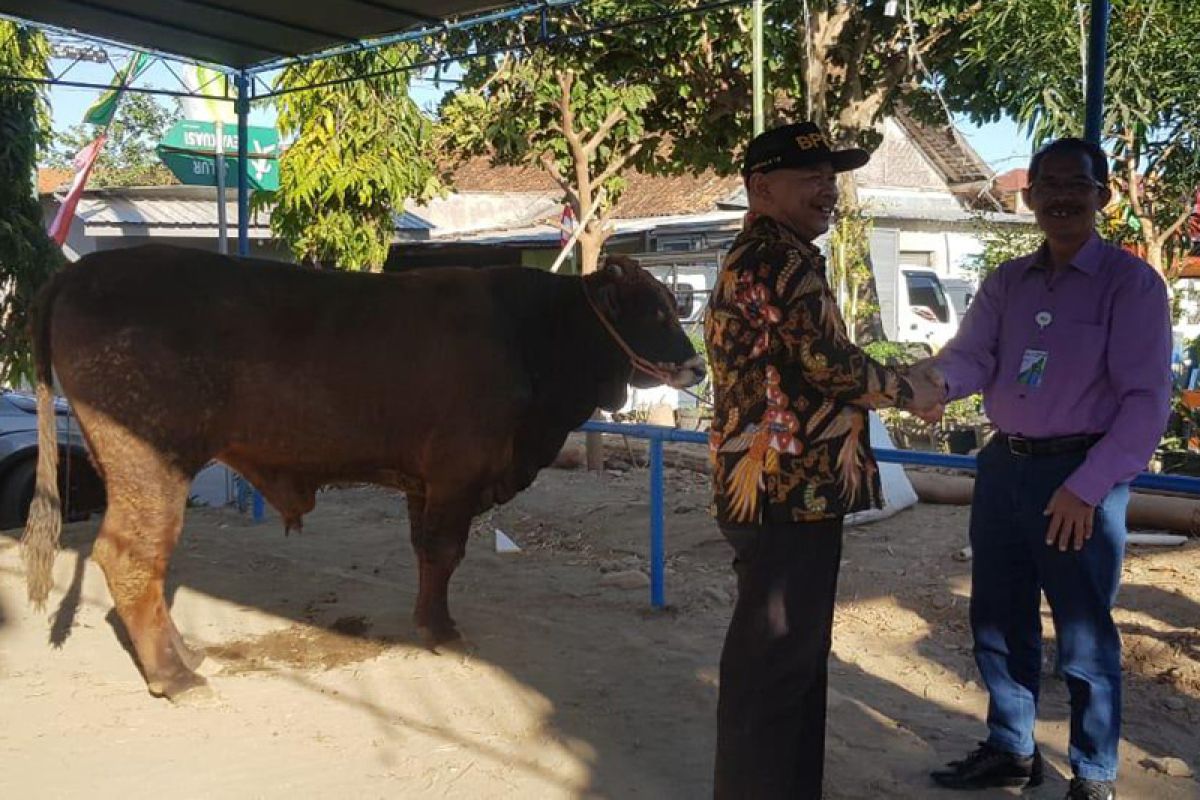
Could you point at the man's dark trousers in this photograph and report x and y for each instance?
(1011, 566)
(774, 665)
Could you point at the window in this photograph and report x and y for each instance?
(677, 244)
(916, 258)
(924, 289)
(685, 299)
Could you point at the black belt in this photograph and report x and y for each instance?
(1055, 446)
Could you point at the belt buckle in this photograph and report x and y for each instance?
(1019, 446)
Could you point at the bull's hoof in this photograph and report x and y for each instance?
(183, 688)
(192, 659)
(434, 635)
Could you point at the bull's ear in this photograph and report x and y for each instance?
(619, 266)
(607, 297)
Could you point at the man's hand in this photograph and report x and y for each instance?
(1070, 520)
(929, 391)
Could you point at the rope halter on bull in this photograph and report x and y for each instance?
(661, 371)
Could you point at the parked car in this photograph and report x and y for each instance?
(80, 487)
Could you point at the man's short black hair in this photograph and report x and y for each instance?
(1072, 144)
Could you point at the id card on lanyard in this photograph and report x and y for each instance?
(1033, 367)
(1033, 360)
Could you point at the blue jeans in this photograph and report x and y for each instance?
(1011, 566)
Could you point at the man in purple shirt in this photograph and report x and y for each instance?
(1071, 348)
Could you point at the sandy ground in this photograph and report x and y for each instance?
(570, 685)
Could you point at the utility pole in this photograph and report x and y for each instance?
(1097, 47)
(758, 66)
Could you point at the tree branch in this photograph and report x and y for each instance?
(615, 116)
(500, 68)
(1162, 156)
(566, 80)
(547, 162)
(618, 164)
(1175, 226)
(1133, 187)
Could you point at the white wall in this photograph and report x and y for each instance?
(951, 249)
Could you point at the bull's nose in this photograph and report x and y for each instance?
(689, 373)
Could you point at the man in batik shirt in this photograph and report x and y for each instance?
(791, 456)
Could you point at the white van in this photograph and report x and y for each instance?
(924, 313)
(961, 292)
(690, 276)
(912, 301)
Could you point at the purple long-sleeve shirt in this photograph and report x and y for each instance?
(1104, 325)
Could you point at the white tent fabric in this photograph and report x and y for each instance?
(898, 492)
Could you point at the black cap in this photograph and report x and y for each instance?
(800, 144)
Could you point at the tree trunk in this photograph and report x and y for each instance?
(870, 327)
(591, 242)
(1154, 253)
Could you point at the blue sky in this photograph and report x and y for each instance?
(1002, 145)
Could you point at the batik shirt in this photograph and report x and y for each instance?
(790, 440)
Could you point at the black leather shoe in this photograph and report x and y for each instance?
(988, 767)
(1083, 789)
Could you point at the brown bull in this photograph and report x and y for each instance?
(454, 385)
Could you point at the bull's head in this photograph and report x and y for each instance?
(641, 312)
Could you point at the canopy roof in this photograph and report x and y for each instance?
(243, 34)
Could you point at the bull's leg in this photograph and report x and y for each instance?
(439, 536)
(140, 530)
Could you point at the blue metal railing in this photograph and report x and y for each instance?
(657, 434)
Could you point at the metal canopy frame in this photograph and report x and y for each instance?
(249, 84)
(247, 78)
(248, 34)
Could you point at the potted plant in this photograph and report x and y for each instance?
(963, 423)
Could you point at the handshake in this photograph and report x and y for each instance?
(929, 391)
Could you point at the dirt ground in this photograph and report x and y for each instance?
(570, 686)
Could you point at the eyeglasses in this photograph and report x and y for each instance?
(1069, 186)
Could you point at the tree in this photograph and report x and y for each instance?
(1151, 123)
(128, 157)
(1001, 243)
(27, 256)
(579, 107)
(680, 91)
(845, 66)
(361, 149)
(850, 261)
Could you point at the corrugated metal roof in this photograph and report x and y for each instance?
(932, 207)
(547, 234)
(918, 206)
(183, 208)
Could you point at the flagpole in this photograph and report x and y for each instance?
(104, 108)
(222, 236)
(242, 106)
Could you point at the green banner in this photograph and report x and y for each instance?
(104, 109)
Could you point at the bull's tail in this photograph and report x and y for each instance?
(39, 544)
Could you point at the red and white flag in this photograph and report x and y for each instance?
(85, 159)
(566, 222)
